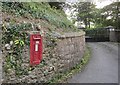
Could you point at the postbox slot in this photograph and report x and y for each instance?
(36, 38)
(36, 45)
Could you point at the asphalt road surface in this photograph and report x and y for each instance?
(102, 67)
(0, 66)
(0, 55)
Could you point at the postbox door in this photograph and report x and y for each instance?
(35, 49)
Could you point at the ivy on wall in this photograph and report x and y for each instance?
(14, 39)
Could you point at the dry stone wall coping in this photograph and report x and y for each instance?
(71, 35)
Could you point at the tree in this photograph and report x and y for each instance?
(57, 4)
(112, 11)
(85, 12)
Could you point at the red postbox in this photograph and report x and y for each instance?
(35, 49)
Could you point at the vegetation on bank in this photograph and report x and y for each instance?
(23, 18)
(42, 11)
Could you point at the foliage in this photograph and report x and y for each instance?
(16, 37)
(85, 12)
(39, 11)
(106, 16)
(56, 4)
(111, 11)
(17, 34)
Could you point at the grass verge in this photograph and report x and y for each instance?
(63, 77)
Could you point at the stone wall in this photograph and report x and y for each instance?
(70, 49)
(65, 55)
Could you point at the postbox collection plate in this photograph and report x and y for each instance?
(35, 49)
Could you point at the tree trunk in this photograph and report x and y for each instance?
(89, 23)
(85, 22)
(117, 17)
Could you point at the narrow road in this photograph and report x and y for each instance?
(0, 66)
(102, 67)
(0, 57)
